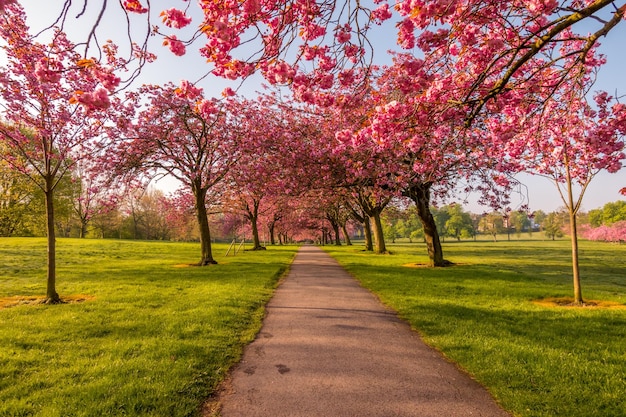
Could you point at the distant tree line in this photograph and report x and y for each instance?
(149, 214)
(454, 222)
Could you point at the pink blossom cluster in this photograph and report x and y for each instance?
(343, 33)
(381, 13)
(207, 108)
(134, 6)
(228, 92)
(3, 3)
(234, 69)
(48, 70)
(94, 100)
(188, 91)
(175, 18)
(176, 46)
(106, 77)
(279, 72)
(615, 233)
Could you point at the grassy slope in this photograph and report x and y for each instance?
(155, 341)
(537, 361)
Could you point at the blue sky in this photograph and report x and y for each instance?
(542, 193)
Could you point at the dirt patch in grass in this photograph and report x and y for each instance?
(421, 265)
(415, 265)
(569, 303)
(19, 300)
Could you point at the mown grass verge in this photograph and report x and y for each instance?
(154, 338)
(535, 360)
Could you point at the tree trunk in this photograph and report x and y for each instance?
(253, 216)
(337, 236)
(420, 194)
(362, 218)
(51, 293)
(83, 229)
(345, 235)
(379, 237)
(203, 226)
(335, 226)
(255, 234)
(578, 296)
(367, 230)
(271, 229)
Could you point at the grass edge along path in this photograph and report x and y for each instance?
(155, 339)
(535, 360)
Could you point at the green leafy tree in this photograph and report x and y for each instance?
(16, 202)
(553, 225)
(459, 223)
(609, 214)
(613, 212)
(409, 225)
(391, 218)
(595, 217)
(492, 224)
(520, 222)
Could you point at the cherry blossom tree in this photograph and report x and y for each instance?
(615, 233)
(180, 215)
(338, 215)
(570, 144)
(502, 46)
(495, 46)
(360, 216)
(265, 158)
(95, 194)
(429, 150)
(499, 45)
(180, 133)
(54, 104)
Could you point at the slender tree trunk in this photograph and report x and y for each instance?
(578, 296)
(336, 236)
(83, 229)
(253, 216)
(271, 229)
(345, 235)
(203, 226)
(256, 242)
(367, 230)
(420, 194)
(51, 293)
(379, 237)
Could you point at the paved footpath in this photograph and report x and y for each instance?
(328, 348)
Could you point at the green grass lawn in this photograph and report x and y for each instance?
(155, 340)
(536, 360)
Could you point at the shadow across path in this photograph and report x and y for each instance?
(329, 348)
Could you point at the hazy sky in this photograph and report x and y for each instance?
(542, 194)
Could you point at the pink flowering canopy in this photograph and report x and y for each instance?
(309, 45)
(54, 102)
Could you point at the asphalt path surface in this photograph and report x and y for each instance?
(328, 347)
